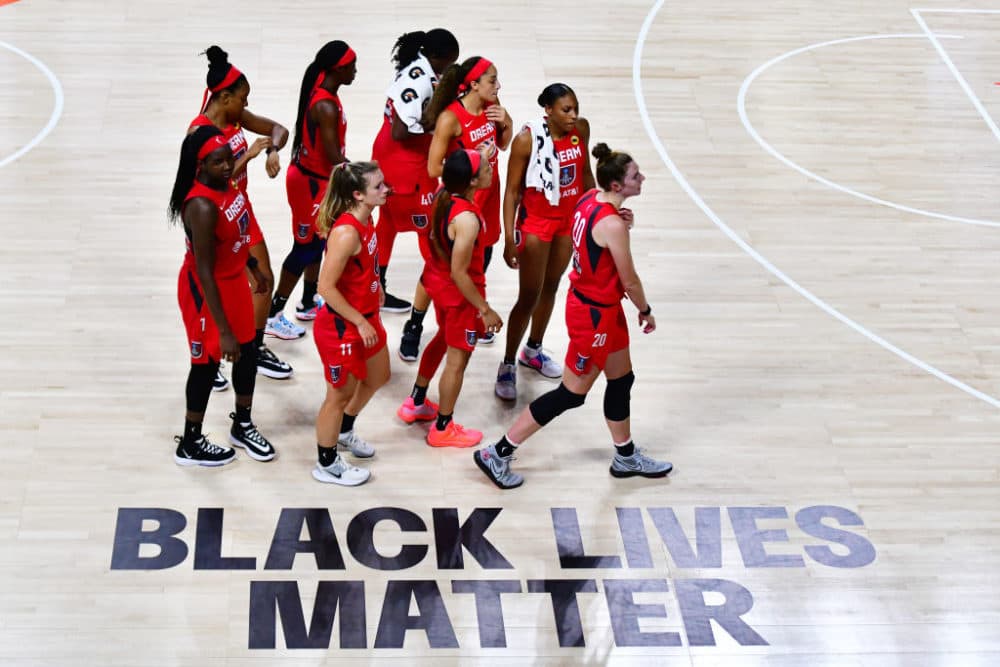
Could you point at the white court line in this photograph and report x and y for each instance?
(956, 11)
(760, 259)
(958, 75)
(56, 110)
(752, 131)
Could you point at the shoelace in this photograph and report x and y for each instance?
(251, 433)
(267, 355)
(205, 446)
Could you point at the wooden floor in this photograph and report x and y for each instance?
(818, 236)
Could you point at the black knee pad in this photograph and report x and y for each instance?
(302, 255)
(618, 398)
(245, 370)
(548, 406)
(199, 386)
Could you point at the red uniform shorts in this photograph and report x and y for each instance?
(305, 194)
(202, 332)
(594, 333)
(410, 212)
(341, 347)
(545, 229)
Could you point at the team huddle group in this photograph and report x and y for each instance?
(434, 171)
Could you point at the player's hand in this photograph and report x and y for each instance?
(647, 322)
(368, 333)
(230, 347)
(492, 321)
(262, 284)
(261, 144)
(627, 215)
(273, 164)
(510, 253)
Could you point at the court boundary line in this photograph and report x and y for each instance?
(57, 108)
(741, 108)
(747, 248)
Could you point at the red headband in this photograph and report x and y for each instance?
(231, 76)
(477, 71)
(475, 159)
(213, 143)
(349, 57)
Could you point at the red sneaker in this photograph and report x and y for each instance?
(454, 435)
(410, 413)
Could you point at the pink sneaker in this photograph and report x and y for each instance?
(454, 435)
(410, 413)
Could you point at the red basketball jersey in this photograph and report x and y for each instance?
(312, 155)
(359, 281)
(437, 270)
(594, 274)
(232, 238)
(572, 163)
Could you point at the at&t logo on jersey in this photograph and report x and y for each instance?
(335, 373)
(374, 286)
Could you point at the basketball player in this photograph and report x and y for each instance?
(348, 329)
(319, 144)
(603, 272)
(466, 113)
(401, 150)
(225, 106)
(214, 295)
(548, 172)
(455, 279)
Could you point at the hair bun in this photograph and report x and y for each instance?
(601, 151)
(216, 56)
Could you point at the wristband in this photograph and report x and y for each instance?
(271, 149)
(252, 262)
(648, 311)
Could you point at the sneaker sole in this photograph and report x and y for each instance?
(490, 341)
(222, 388)
(251, 453)
(277, 375)
(284, 337)
(538, 370)
(407, 359)
(395, 309)
(454, 444)
(305, 318)
(489, 473)
(327, 478)
(635, 473)
(416, 418)
(505, 398)
(181, 461)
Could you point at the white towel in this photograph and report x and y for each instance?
(543, 164)
(411, 91)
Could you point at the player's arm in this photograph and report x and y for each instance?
(466, 229)
(327, 115)
(612, 233)
(517, 166)
(583, 127)
(446, 129)
(200, 216)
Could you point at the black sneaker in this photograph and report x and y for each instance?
(270, 365)
(409, 345)
(201, 453)
(393, 304)
(487, 338)
(220, 383)
(249, 438)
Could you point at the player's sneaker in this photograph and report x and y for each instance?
(539, 361)
(409, 344)
(506, 386)
(409, 412)
(639, 465)
(497, 467)
(454, 435)
(352, 441)
(220, 383)
(279, 327)
(270, 365)
(487, 338)
(304, 314)
(201, 452)
(393, 304)
(249, 438)
(339, 472)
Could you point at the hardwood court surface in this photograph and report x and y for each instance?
(827, 354)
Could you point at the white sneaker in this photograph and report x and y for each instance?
(339, 472)
(541, 362)
(279, 327)
(355, 444)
